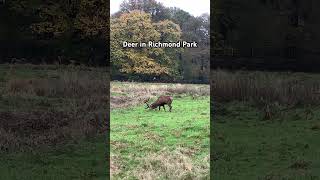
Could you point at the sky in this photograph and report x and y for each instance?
(196, 8)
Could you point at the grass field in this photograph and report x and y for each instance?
(52, 122)
(84, 160)
(152, 144)
(265, 126)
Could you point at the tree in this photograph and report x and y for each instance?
(65, 23)
(92, 18)
(157, 11)
(87, 18)
(179, 16)
(137, 26)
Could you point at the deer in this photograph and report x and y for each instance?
(161, 101)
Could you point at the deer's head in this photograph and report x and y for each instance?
(146, 102)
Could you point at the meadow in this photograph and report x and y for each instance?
(53, 122)
(152, 144)
(265, 125)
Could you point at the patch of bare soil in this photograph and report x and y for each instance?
(81, 113)
(114, 166)
(25, 130)
(126, 101)
(300, 165)
(316, 127)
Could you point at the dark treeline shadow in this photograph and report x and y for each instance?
(54, 89)
(265, 90)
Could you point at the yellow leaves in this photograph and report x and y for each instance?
(92, 18)
(86, 17)
(137, 26)
(141, 64)
(53, 20)
(49, 27)
(91, 26)
(169, 30)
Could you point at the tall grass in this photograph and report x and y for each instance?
(129, 94)
(266, 87)
(51, 110)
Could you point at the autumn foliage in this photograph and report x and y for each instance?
(137, 26)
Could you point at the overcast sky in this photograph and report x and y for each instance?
(195, 8)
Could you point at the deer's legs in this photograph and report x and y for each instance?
(170, 107)
(164, 108)
(159, 108)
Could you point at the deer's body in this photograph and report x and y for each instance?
(161, 101)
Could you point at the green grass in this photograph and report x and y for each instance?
(246, 147)
(86, 160)
(75, 157)
(145, 142)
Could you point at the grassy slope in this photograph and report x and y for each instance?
(140, 137)
(246, 147)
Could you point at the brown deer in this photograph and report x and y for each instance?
(161, 101)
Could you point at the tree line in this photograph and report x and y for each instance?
(78, 31)
(63, 31)
(266, 34)
(149, 20)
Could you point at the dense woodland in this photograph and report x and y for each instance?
(148, 20)
(266, 34)
(62, 31)
(77, 32)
